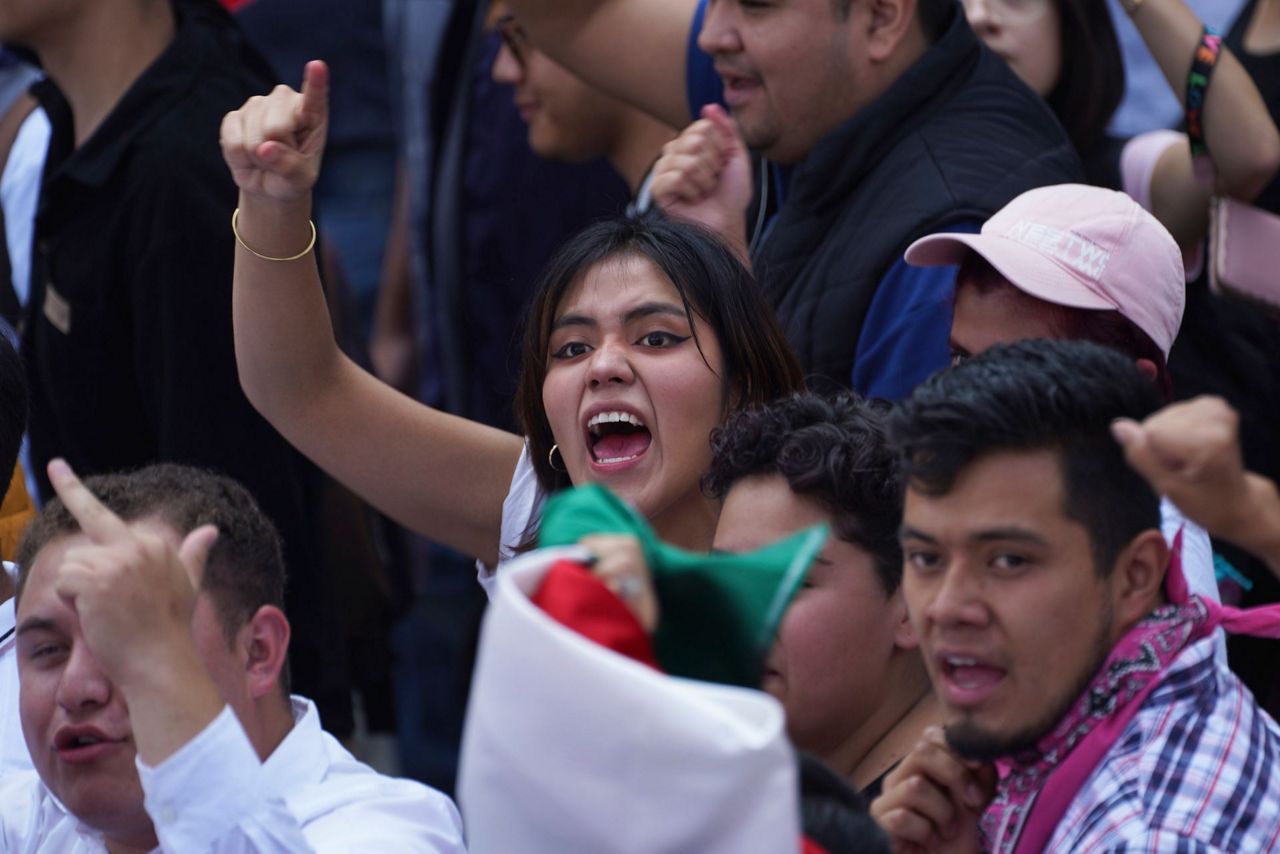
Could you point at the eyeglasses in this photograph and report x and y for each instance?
(513, 36)
(1008, 11)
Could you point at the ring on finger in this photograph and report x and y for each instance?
(629, 587)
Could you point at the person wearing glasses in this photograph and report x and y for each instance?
(571, 120)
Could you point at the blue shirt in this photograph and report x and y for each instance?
(905, 337)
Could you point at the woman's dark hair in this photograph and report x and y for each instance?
(1054, 395)
(1091, 81)
(833, 450)
(1106, 327)
(759, 365)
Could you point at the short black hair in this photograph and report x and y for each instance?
(1031, 395)
(13, 407)
(832, 449)
(245, 569)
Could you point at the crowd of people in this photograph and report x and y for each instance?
(861, 439)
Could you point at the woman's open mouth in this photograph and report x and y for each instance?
(615, 437)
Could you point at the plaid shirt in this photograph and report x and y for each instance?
(1196, 770)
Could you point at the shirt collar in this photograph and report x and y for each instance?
(303, 757)
(53, 813)
(164, 83)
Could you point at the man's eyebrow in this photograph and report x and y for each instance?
(906, 532)
(1009, 533)
(36, 624)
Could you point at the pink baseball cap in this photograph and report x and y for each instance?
(1078, 246)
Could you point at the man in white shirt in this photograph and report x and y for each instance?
(152, 657)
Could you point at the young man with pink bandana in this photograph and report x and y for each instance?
(1085, 707)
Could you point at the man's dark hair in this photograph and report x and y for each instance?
(1107, 327)
(13, 407)
(833, 450)
(1033, 395)
(245, 569)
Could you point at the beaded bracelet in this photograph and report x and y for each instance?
(235, 218)
(1203, 62)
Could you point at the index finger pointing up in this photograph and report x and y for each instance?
(315, 94)
(99, 524)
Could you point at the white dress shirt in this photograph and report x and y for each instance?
(13, 749)
(213, 795)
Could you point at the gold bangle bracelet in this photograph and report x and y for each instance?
(235, 218)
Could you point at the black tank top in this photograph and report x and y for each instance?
(1264, 68)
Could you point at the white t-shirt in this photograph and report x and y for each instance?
(1197, 563)
(13, 749)
(520, 508)
(1197, 551)
(1138, 160)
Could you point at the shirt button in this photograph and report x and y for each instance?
(167, 815)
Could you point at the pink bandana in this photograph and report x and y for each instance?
(1040, 784)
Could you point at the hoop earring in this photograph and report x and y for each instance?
(551, 460)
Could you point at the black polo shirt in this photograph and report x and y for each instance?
(128, 337)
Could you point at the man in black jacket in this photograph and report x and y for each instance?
(886, 120)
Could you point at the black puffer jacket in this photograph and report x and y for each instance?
(953, 140)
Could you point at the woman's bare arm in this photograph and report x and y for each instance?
(635, 50)
(440, 475)
(1242, 139)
